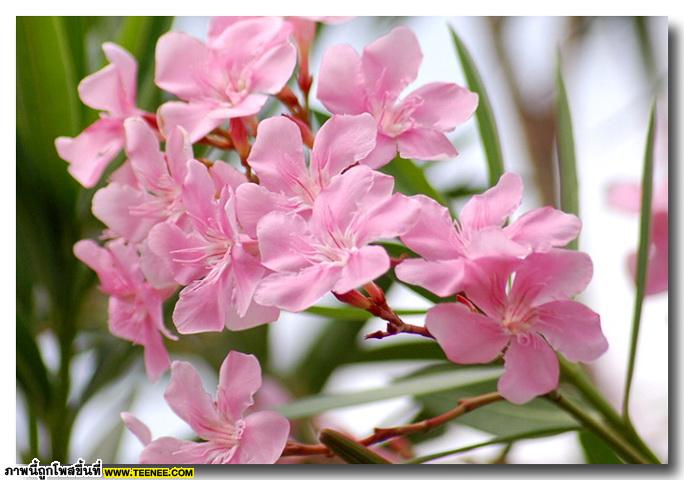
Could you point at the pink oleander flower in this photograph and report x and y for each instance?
(111, 90)
(415, 125)
(526, 321)
(331, 251)
(448, 246)
(152, 194)
(229, 77)
(135, 308)
(231, 437)
(627, 197)
(214, 258)
(286, 181)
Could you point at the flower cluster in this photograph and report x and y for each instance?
(301, 215)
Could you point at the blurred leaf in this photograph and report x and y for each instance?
(32, 374)
(47, 102)
(113, 360)
(410, 179)
(349, 450)
(547, 432)
(642, 255)
(596, 451)
(406, 350)
(139, 36)
(423, 385)
(107, 448)
(339, 313)
(485, 116)
(565, 144)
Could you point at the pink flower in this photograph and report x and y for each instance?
(229, 77)
(230, 436)
(135, 308)
(214, 258)
(448, 246)
(111, 90)
(286, 182)
(372, 82)
(528, 320)
(331, 251)
(153, 194)
(627, 197)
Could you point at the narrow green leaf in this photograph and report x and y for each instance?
(340, 313)
(489, 133)
(408, 350)
(349, 450)
(565, 145)
(438, 382)
(596, 451)
(642, 256)
(32, 375)
(410, 179)
(541, 433)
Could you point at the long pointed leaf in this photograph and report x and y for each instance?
(489, 133)
(349, 450)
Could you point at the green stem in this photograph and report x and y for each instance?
(546, 432)
(617, 442)
(576, 376)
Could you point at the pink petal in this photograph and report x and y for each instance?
(199, 193)
(247, 271)
(188, 399)
(225, 174)
(425, 144)
(442, 106)
(298, 291)
(434, 235)
(442, 277)
(157, 269)
(142, 149)
(137, 427)
(363, 266)
(387, 218)
(384, 152)
(573, 329)
(531, 369)
(181, 63)
(254, 316)
(263, 439)
(156, 356)
(204, 305)
(491, 208)
(465, 337)
(169, 451)
(391, 63)
(101, 261)
(112, 206)
(341, 142)
(554, 275)
(277, 156)
(284, 241)
(239, 380)
(178, 154)
(90, 153)
(250, 105)
(543, 228)
(253, 202)
(274, 69)
(626, 196)
(658, 259)
(177, 250)
(113, 88)
(486, 280)
(196, 118)
(246, 41)
(340, 82)
(493, 241)
(217, 25)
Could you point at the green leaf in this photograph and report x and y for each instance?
(485, 117)
(565, 145)
(349, 450)
(546, 432)
(32, 375)
(596, 451)
(423, 385)
(408, 350)
(642, 255)
(340, 313)
(410, 179)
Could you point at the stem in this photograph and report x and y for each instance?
(576, 376)
(621, 447)
(382, 434)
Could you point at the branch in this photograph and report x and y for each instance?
(382, 434)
